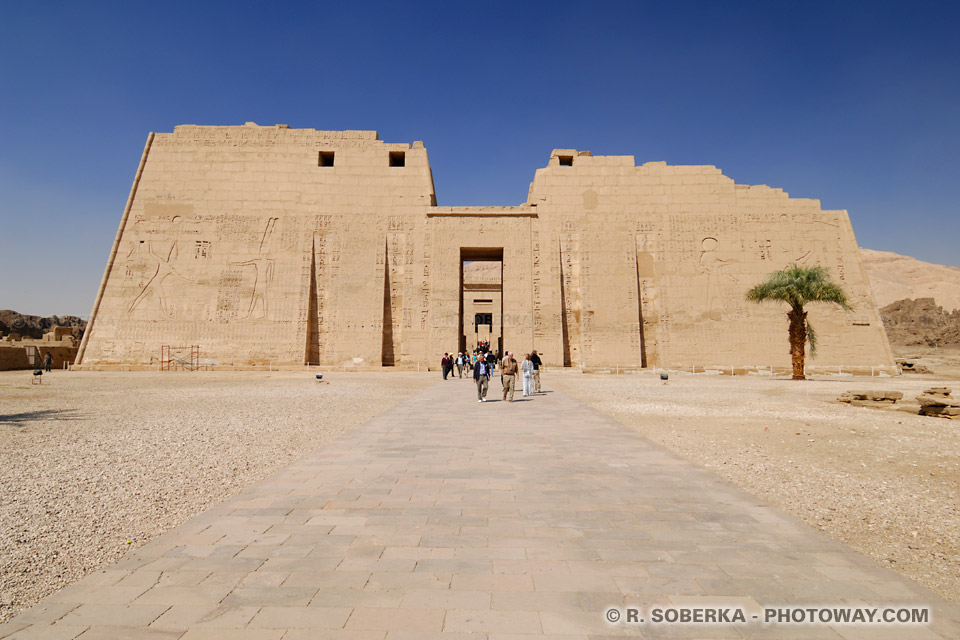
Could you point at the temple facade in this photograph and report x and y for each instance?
(258, 245)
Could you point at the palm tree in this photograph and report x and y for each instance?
(797, 286)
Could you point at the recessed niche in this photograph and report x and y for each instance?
(398, 159)
(565, 161)
(325, 159)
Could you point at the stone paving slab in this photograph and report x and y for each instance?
(448, 518)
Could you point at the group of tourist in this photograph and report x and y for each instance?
(529, 370)
(464, 362)
(484, 363)
(467, 361)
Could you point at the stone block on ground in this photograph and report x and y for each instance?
(873, 404)
(941, 411)
(856, 397)
(937, 401)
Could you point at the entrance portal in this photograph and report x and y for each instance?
(481, 298)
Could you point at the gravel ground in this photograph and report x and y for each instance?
(94, 464)
(885, 483)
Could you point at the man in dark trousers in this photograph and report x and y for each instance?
(445, 364)
(537, 363)
(481, 375)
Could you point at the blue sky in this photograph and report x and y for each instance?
(857, 104)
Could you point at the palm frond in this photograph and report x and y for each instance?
(812, 339)
(798, 286)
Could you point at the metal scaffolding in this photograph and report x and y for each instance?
(179, 358)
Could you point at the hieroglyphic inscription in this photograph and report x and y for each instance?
(539, 322)
(201, 249)
(228, 294)
(323, 282)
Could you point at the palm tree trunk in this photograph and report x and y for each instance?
(798, 341)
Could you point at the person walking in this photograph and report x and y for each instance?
(460, 364)
(444, 364)
(508, 375)
(481, 375)
(537, 363)
(526, 370)
(48, 362)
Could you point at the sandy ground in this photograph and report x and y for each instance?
(884, 483)
(93, 464)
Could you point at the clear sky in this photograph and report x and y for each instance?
(857, 104)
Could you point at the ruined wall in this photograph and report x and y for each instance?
(272, 245)
(13, 357)
(688, 242)
(17, 354)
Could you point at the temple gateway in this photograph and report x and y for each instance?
(250, 245)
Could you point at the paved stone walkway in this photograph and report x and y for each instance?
(445, 518)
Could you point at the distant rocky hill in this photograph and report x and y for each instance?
(921, 322)
(919, 301)
(35, 326)
(895, 277)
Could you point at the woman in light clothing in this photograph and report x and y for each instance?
(526, 368)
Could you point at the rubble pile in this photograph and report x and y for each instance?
(938, 402)
(908, 366)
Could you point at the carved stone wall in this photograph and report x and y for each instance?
(292, 246)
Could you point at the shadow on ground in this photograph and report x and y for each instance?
(33, 416)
